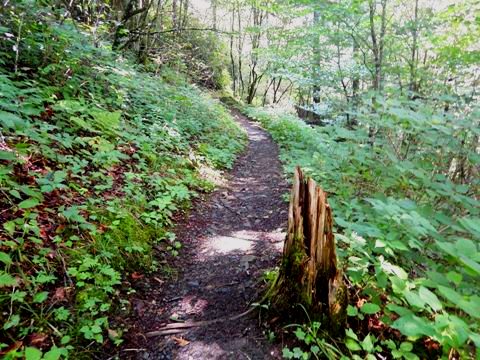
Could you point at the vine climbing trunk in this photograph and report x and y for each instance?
(309, 275)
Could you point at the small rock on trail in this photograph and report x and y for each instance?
(228, 242)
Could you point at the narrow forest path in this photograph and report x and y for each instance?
(229, 240)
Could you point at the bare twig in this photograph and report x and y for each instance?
(180, 30)
(17, 44)
(176, 328)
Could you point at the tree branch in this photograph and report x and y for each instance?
(180, 30)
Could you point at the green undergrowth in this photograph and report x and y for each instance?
(407, 218)
(96, 156)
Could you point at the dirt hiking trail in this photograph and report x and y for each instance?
(228, 241)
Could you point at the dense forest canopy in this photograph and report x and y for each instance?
(106, 132)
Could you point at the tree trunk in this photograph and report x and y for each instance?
(241, 87)
(316, 59)
(185, 14)
(214, 14)
(414, 54)
(378, 45)
(265, 93)
(309, 275)
(174, 15)
(378, 42)
(232, 59)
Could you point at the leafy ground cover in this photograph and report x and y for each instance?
(408, 227)
(96, 156)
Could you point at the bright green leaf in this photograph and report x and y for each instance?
(406, 346)
(32, 353)
(367, 344)
(6, 279)
(5, 258)
(54, 354)
(352, 345)
(29, 203)
(430, 298)
(40, 297)
(7, 155)
(370, 308)
(414, 299)
(13, 321)
(413, 326)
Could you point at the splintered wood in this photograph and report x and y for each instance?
(309, 274)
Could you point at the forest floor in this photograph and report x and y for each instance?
(229, 239)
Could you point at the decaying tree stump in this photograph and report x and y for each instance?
(308, 273)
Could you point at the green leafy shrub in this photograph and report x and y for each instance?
(96, 155)
(407, 217)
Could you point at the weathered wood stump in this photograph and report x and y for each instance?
(309, 275)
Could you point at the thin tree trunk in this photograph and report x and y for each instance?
(355, 89)
(160, 15)
(378, 43)
(276, 87)
(373, 35)
(128, 15)
(317, 59)
(232, 58)
(383, 28)
(185, 13)
(265, 93)
(289, 87)
(174, 14)
(214, 14)
(414, 56)
(240, 51)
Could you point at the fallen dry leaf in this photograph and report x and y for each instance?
(37, 339)
(59, 294)
(180, 341)
(16, 345)
(360, 302)
(112, 334)
(158, 280)
(136, 276)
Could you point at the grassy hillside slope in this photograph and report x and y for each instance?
(96, 155)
